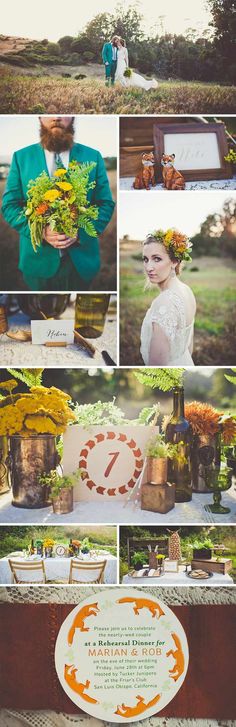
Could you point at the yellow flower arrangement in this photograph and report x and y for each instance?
(42, 411)
(57, 201)
(48, 543)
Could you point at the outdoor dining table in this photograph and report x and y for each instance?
(179, 578)
(57, 568)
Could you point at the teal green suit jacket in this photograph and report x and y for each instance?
(107, 53)
(26, 165)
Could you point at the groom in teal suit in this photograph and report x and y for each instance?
(60, 263)
(109, 57)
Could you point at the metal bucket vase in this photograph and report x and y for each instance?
(156, 470)
(29, 458)
(205, 460)
(4, 474)
(63, 503)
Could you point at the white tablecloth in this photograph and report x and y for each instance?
(57, 568)
(178, 579)
(193, 512)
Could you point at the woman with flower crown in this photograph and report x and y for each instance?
(168, 327)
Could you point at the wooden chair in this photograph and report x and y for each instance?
(22, 569)
(93, 571)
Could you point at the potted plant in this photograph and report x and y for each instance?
(158, 452)
(177, 427)
(137, 560)
(60, 490)
(202, 549)
(32, 420)
(85, 547)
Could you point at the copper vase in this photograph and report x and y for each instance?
(63, 503)
(4, 476)
(29, 458)
(156, 470)
(205, 460)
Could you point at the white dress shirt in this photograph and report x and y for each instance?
(65, 156)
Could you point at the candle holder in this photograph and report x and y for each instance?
(220, 482)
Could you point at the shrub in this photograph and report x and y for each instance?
(15, 59)
(88, 56)
(80, 76)
(66, 75)
(66, 42)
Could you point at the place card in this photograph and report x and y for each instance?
(121, 655)
(51, 331)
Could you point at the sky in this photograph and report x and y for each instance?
(52, 20)
(98, 132)
(140, 212)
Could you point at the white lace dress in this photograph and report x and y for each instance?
(136, 79)
(168, 311)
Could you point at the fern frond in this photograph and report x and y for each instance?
(160, 378)
(30, 377)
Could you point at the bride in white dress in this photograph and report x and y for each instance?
(135, 79)
(168, 327)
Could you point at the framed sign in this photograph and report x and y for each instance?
(199, 149)
(121, 655)
(111, 459)
(171, 566)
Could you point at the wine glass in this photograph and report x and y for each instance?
(219, 482)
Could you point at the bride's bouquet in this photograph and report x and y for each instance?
(127, 73)
(61, 202)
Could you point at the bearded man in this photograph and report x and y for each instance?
(61, 262)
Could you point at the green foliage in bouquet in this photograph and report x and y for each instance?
(61, 202)
(127, 73)
(160, 378)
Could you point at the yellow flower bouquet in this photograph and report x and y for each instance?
(41, 411)
(48, 543)
(62, 202)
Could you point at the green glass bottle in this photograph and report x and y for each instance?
(90, 314)
(179, 432)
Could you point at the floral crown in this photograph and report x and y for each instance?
(174, 242)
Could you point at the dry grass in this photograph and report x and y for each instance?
(10, 276)
(24, 94)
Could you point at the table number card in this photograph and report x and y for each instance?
(121, 655)
(52, 331)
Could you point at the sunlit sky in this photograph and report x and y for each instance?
(140, 212)
(99, 132)
(55, 19)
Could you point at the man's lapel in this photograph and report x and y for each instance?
(41, 159)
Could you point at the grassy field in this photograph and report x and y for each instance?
(213, 283)
(28, 94)
(10, 276)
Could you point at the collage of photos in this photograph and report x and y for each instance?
(118, 364)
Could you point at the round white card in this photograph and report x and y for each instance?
(121, 655)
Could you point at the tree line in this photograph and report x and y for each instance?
(217, 235)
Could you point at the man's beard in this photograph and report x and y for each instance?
(57, 139)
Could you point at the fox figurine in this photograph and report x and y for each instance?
(146, 175)
(171, 177)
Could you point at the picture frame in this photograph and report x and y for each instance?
(199, 149)
(171, 566)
